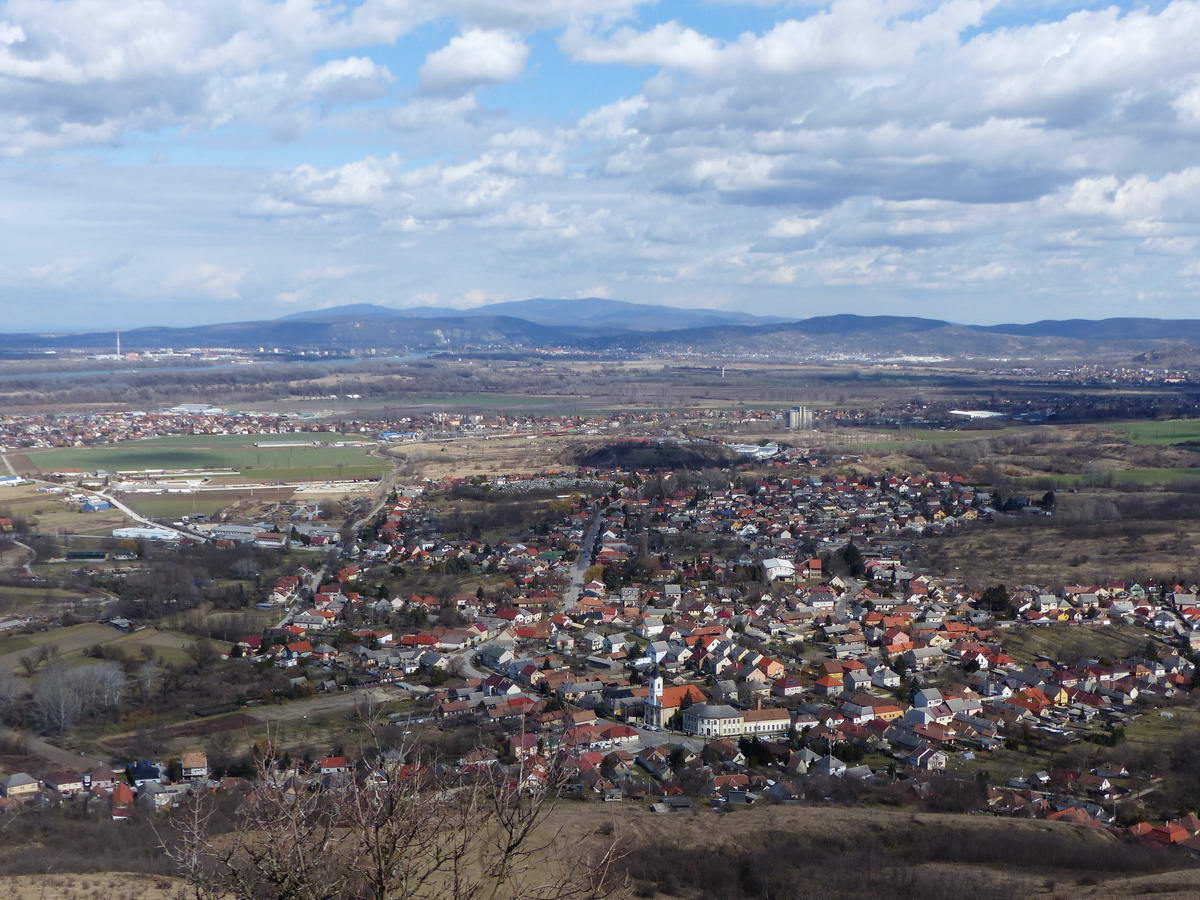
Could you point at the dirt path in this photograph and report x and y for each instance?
(59, 757)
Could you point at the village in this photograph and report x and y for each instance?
(712, 640)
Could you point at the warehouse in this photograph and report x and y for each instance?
(146, 534)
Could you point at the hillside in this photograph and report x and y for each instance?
(345, 333)
(610, 325)
(796, 852)
(588, 312)
(787, 852)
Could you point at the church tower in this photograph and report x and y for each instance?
(653, 714)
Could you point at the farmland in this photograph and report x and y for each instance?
(1175, 431)
(76, 639)
(172, 506)
(301, 463)
(50, 515)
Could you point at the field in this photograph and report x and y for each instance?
(51, 515)
(886, 439)
(1050, 554)
(172, 506)
(1026, 643)
(75, 640)
(1175, 431)
(486, 457)
(255, 463)
(1150, 477)
(1152, 729)
(31, 601)
(314, 722)
(220, 441)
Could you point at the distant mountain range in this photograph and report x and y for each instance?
(587, 312)
(600, 324)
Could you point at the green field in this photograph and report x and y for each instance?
(220, 441)
(172, 506)
(1175, 431)
(1128, 476)
(255, 463)
(904, 438)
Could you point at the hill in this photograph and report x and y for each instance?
(333, 333)
(915, 336)
(1120, 329)
(611, 325)
(588, 312)
(655, 455)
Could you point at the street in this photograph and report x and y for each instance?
(575, 588)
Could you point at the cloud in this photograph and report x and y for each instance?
(473, 58)
(214, 282)
(434, 112)
(342, 80)
(793, 226)
(916, 153)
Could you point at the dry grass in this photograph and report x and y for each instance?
(51, 515)
(1051, 554)
(1070, 642)
(103, 886)
(583, 824)
(497, 456)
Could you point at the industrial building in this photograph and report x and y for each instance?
(799, 418)
(138, 533)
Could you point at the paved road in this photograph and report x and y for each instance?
(149, 523)
(314, 584)
(575, 588)
(468, 668)
(648, 738)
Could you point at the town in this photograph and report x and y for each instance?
(756, 628)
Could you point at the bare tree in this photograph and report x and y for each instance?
(395, 830)
(63, 695)
(148, 677)
(11, 690)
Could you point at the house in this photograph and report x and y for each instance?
(335, 765)
(778, 570)
(523, 746)
(19, 786)
(194, 764)
(926, 757)
(122, 802)
(143, 772)
(65, 783)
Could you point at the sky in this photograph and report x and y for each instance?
(189, 161)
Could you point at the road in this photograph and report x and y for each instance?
(647, 738)
(25, 566)
(575, 588)
(314, 585)
(149, 523)
(57, 756)
(468, 668)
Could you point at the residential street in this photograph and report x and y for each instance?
(575, 588)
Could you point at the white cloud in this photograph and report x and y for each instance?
(353, 78)
(793, 227)
(669, 44)
(896, 151)
(214, 282)
(473, 58)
